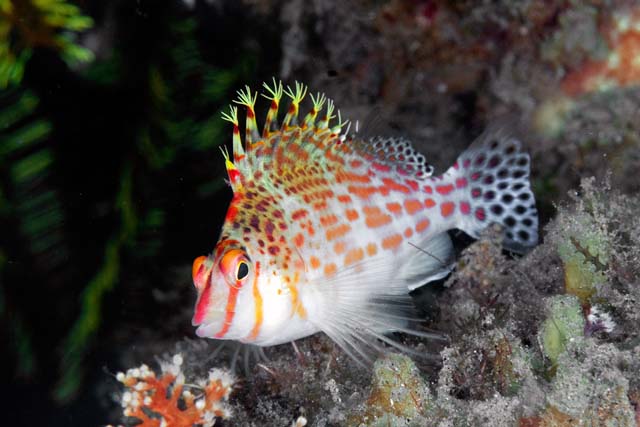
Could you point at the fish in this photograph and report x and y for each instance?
(329, 232)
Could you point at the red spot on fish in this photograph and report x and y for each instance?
(465, 208)
(447, 208)
(428, 189)
(274, 250)
(344, 198)
(411, 183)
(476, 192)
(475, 176)
(380, 167)
(231, 213)
(299, 214)
(356, 163)
(461, 182)
(444, 189)
(466, 163)
(480, 214)
(298, 240)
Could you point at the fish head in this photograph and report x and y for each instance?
(220, 280)
(247, 288)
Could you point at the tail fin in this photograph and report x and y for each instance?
(496, 173)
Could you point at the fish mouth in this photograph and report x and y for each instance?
(207, 330)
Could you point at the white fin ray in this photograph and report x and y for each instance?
(361, 303)
(431, 260)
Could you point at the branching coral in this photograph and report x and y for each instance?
(162, 401)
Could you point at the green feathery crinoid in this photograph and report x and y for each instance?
(274, 93)
(28, 24)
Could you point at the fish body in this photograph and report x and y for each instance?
(329, 232)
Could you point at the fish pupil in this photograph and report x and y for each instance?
(243, 270)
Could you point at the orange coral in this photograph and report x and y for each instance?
(621, 68)
(161, 401)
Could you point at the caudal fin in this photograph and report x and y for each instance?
(496, 172)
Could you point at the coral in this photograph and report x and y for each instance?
(614, 65)
(159, 401)
(591, 384)
(398, 395)
(565, 324)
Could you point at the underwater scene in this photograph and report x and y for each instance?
(320, 213)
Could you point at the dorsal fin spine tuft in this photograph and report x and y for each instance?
(291, 119)
(324, 123)
(274, 95)
(232, 171)
(246, 98)
(232, 117)
(318, 102)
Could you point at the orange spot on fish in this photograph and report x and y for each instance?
(298, 240)
(394, 186)
(352, 214)
(353, 256)
(422, 225)
(330, 269)
(408, 232)
(444, 189)
(344, 198)
(314, 262)
(339, 231)
(447, 208)
(429, 203)
(372, 249)
(339, 247)
(413, 206)
(319, 206)
(362, 192)
(377, 220)
(392, 242)
(371, 210)
(394, 208)
(328, 220)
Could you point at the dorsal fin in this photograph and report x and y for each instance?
(318, 137)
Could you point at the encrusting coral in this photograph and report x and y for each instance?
(163, 401)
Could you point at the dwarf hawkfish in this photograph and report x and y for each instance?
(329, 232)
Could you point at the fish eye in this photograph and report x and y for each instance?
(242, 270)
